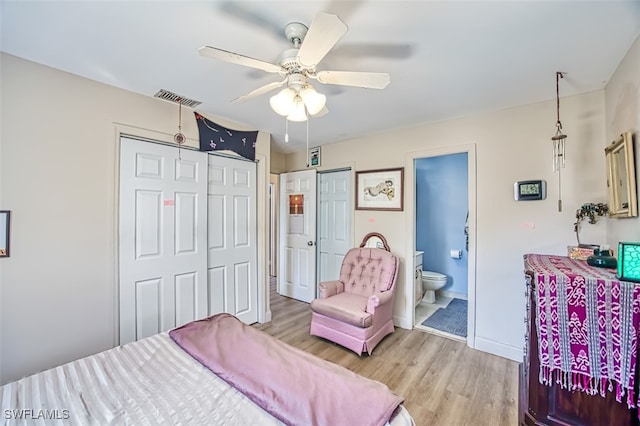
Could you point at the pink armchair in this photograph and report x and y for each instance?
(356, 310)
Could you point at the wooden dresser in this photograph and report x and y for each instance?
(575, 284)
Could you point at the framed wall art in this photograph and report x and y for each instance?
(314, 157)
(5, 227)
(380, 189)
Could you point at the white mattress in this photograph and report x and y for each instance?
(149, 382)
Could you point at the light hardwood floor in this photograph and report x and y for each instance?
(442, 381)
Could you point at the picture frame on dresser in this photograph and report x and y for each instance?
(5, 229)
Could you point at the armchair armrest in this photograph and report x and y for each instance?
(378, 299)
(330, 288)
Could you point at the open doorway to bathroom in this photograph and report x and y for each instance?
(442, 244)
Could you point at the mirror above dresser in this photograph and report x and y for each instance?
(621, 177)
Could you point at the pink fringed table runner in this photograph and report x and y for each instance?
(587, 322)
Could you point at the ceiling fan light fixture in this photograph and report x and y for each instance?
(298, 111)
(283, 103)
(300, 100)
(313, 100)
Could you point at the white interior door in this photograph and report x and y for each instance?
(162, 256)
(297, 272)
(273, 224)
(232, 235)
(334, 222)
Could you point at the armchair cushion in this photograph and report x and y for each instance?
(345, 307)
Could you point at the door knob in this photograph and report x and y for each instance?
(309, 243)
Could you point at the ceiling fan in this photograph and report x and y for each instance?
(298, 65)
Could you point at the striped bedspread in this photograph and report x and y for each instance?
(148, 382)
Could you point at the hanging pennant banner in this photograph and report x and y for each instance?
(214, 137)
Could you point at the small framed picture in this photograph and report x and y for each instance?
(5, 227)
(380, 189)
(314, 157)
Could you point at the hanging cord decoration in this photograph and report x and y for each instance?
(558, 142)
(179, 138)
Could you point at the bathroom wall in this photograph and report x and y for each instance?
(442, 196)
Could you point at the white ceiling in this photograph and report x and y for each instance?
(446, 58)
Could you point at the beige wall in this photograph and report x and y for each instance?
(511, 145)
(58, 168)
(622, 111)
(278, 162)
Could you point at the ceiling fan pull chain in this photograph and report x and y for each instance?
(308, 120)
(286, 130)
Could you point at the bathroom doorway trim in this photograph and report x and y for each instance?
(410, 209)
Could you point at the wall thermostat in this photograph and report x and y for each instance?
(525, 190)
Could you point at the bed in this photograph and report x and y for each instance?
(158, 380)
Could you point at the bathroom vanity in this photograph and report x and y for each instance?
(417, 277)
(571, 355)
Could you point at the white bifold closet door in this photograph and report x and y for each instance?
(232, 240)
(334, 222)
(163, 238)
(188, 238)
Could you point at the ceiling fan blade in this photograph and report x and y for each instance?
(325, 31)
(370, 80)
(320, 113)
(253, 13)
(259, 91)
(345, 9)
(373, 50)
(234, 58)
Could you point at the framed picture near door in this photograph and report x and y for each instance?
(314, 157)
(5, 227)
(380, 189)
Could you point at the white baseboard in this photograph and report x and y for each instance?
(500, 349)
(402, 323)
(452, 294)
(267, 317)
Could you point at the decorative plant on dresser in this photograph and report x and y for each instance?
(590, 211)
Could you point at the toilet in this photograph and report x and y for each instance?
(432, 281)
